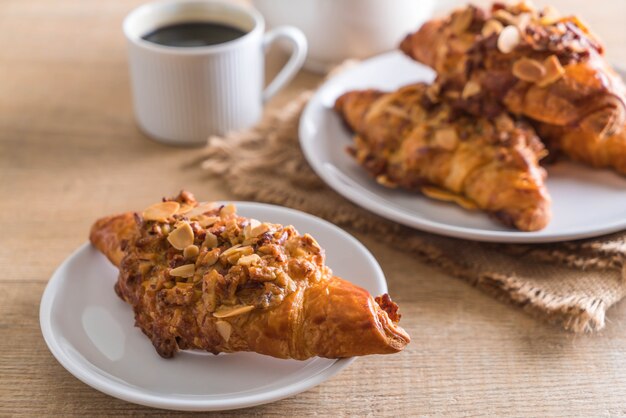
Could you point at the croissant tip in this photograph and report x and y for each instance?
(397, 337)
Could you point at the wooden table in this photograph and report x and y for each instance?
(70, 152)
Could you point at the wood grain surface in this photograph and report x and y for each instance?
(70, 152)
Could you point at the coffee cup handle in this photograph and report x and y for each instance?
(299, 48)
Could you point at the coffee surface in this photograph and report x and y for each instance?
(194, 34)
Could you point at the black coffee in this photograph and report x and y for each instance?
(194, 34)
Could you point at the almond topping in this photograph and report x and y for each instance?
(160, 211)
(554, 71)
(207, 221)
(224, 329)
(504, 16)
(207, 258)
(509, 39)
(255, 228)
(490, 27)
(530, 70)
(446, 138)
(228, 210)
(210, 241)
(231, 250)
(549, 16)
(184, 208)
(187, 270)
(252, 224)
(228, 311)
(471, 88)
(181, 237)
(249, 260)
(191, 251)
(233, 254)
(201, 209)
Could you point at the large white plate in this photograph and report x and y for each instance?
(90, 332)
(586, 202)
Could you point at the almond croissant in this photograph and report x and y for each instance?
(533, 63)
(407, 139)
(198, 276)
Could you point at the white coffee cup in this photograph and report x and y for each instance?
(182, 95)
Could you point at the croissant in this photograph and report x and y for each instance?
(533, 63)
(198, 276)
(407, 139)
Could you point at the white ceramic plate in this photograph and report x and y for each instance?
(586, 202)
(90, 332)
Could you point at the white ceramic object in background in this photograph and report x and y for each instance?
(341, 29)
(586, 202)
(91, 333)
(182, 95)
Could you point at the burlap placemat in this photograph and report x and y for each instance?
(571, 284)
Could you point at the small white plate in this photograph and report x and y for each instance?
(586, 202)
(90, 332)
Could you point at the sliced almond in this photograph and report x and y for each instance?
(231, 250)
(207, 258)
(490, 27)
(252, 223)
(260, 230)
(206, 221)
(446, 138)
(181, 237)
(228, 210)
(526, 6)
(471, 89)
(210, 240)
(549, 16)
(528, 69)
(228, 311)
(191, 251)
(445, 196)
(184, 208)
(249, 260)
(160, 211)
(201, 209)
(508, 39)
(224, 329)
(255, 228)
(522, 21)
(554, 71)
(232, 255)
(504, 16)
(186, 270)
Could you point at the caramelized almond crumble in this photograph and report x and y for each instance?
(223, 263)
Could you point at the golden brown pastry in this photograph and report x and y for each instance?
(533, 63)
(586, 147)
(408, 139)
(198, 276)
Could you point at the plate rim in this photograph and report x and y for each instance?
(395, 214)
(121, 391)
